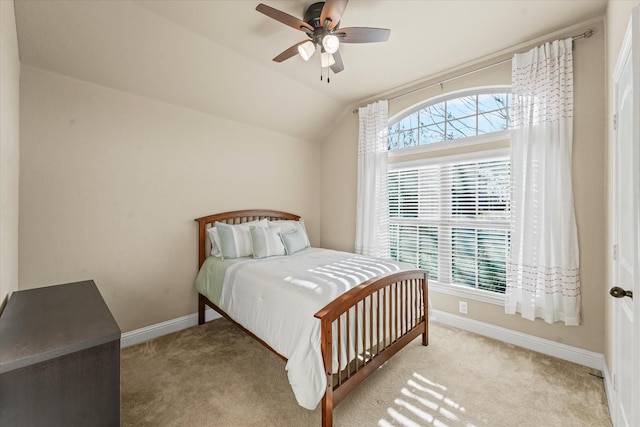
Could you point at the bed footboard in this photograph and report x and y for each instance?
(364, 327)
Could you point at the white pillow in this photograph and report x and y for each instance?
(235, 239)
(214, 238)
(266, 242)
(289, 225)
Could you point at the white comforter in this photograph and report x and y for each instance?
(276, 299)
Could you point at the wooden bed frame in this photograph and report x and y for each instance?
(392, 310)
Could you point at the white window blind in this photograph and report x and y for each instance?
(452, 219)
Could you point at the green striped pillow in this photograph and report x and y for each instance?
(294, 241)
(235, 239)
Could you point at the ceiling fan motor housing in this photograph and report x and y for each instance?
(312, 15)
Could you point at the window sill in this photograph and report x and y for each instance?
(464, 292)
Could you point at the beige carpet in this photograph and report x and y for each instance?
(215, 375)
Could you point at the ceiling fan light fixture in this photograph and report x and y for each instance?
(326, 60)
(331, 43)
(306, 50)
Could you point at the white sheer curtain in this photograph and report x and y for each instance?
(372, 210)
(543, 267)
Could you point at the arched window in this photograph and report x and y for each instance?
(474, 113)
(449, 214)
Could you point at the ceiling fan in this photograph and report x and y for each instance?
(321, 24)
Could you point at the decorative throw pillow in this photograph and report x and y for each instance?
(294, 241)
(235, 239)
(266, 242)
(288, 225)
(214, 238)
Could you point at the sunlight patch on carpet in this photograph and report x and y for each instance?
(424, 402)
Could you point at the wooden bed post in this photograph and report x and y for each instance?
(201, 309)
(425, 309)
(326, 345)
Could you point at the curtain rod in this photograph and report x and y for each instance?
(584, 35)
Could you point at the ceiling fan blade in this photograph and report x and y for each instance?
(292, 51)
(362, 35)
(338, 65)
(285, 18)
(333, 10)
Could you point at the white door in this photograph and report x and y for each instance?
(626, 228)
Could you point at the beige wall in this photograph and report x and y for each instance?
(339, 191)
(111, 182)
(9, 151)
(339, 180)
(617, 20)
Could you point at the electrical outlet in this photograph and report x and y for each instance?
(462, 306)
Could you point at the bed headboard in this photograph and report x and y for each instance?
(233, 217)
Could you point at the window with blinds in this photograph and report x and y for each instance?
(452, 219)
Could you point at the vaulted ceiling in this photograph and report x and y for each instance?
(215, 56)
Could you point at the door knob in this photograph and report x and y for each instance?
(618, 292)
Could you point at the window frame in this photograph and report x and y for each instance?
(481, 153)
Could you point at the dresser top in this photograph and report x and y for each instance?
(45, 323)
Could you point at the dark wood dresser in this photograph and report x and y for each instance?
(59, 358)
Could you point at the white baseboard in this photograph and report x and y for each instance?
(548, 347)
(159, 329)
(541, 345)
